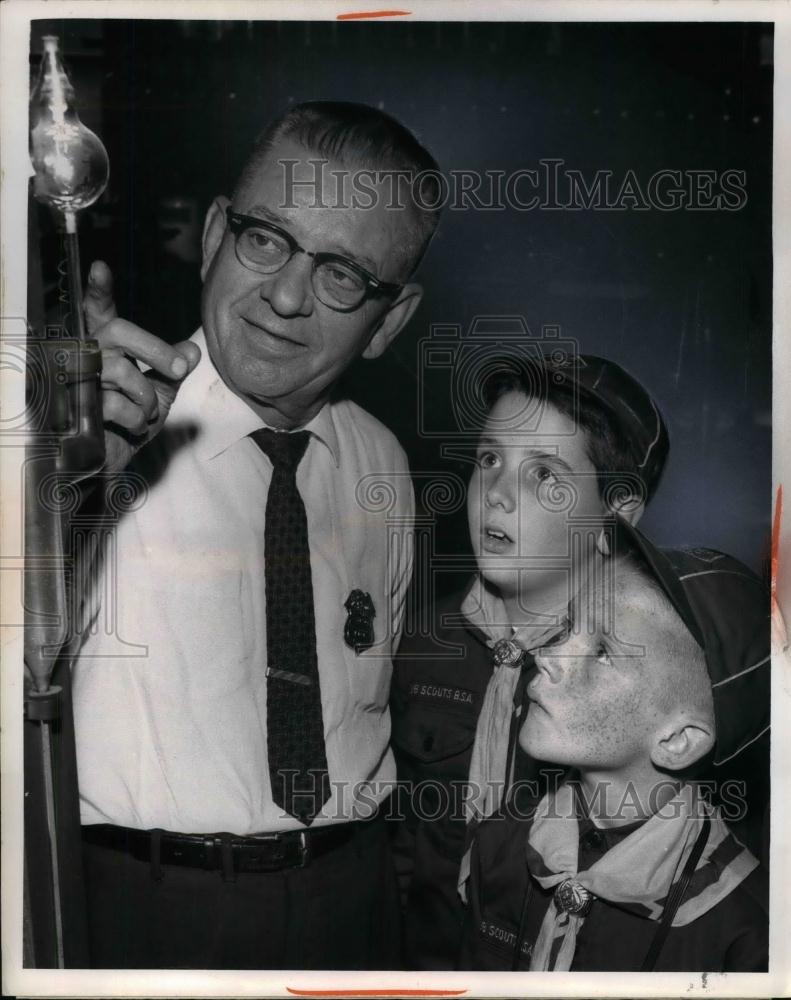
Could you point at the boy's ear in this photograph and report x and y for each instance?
(213, 232)
(681, 743)
(394, 320)
(631, 509)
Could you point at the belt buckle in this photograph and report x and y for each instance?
(209, 853)
(279, 854)
(304, 849)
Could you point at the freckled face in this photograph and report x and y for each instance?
(529, 480)
(597, 699)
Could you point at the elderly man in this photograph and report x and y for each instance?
(232, 775)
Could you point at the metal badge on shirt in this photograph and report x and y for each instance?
(358, 631)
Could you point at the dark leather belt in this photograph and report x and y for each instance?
(223, 851)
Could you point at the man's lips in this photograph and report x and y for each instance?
(273, 336)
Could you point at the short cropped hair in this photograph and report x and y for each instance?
(609, 446)
(690, 686)
(359, 135)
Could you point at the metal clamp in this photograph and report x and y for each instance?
(43, 706)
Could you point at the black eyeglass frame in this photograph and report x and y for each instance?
(239, 223)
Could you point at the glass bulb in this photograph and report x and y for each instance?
(70, 162)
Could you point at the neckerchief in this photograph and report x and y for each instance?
(636, 874)
(489, 760)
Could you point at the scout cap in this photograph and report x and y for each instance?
(726, 607)
(621, 396)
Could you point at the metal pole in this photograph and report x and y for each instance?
(75, 277)
(44, 707)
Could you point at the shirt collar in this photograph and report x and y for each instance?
(223, 418)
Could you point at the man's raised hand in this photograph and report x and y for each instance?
(135, 404)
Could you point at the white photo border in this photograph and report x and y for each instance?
(15, 18)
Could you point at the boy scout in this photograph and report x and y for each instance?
(547, 469)
(627, 867)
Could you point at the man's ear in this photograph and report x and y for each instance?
(213, 232)
(681, 743)
(394, 320)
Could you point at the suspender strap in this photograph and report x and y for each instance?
(675, 898)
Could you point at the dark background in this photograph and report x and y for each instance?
(681, 299)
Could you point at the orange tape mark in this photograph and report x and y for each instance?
(776, 534)
(778, 626)
(376, 993)
(357, 15)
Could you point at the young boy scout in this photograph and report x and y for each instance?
(566, 442)
(627, 867)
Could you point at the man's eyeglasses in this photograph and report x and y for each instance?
(337, 282)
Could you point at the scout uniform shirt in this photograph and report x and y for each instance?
(439, 682)
(730, 937)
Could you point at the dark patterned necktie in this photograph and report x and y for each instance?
(295, 728)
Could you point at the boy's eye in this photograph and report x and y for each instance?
(487, 460)
(543, 474)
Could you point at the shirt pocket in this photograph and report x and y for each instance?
(432, 734)
(432, 745)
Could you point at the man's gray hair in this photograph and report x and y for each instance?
(362, 136)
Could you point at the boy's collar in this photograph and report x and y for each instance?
(600, 839)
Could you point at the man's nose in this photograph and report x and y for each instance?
(289, 291)
(499, 491)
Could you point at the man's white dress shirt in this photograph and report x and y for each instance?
(170, 683)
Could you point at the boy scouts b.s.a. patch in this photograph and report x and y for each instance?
(358, 632)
